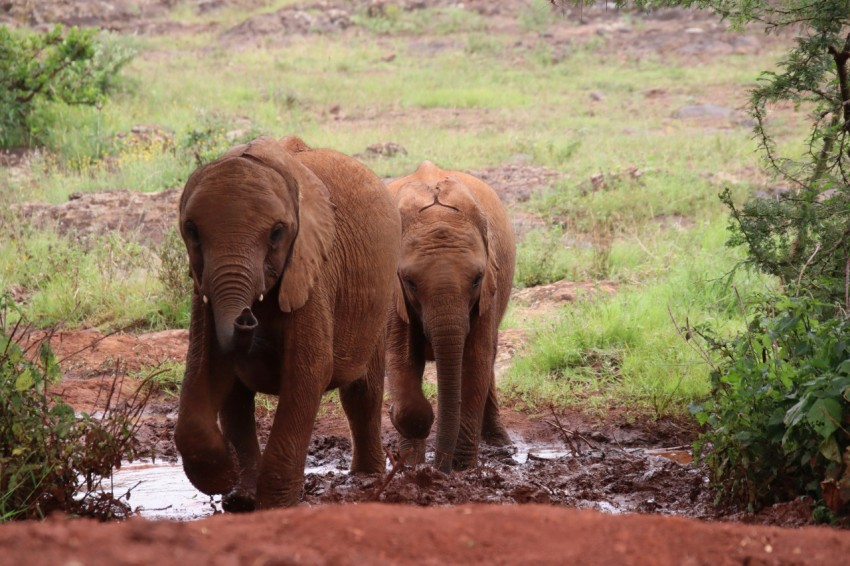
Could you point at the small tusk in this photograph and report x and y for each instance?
(261, 297)
(206, 300)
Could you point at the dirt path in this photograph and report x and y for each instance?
(399, 534)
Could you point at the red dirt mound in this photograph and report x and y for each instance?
(399, 534)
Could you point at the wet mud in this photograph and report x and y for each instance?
(606, 478)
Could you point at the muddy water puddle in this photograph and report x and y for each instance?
(160, 490)
(609, 479)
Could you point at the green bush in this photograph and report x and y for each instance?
(70, 66)
(779, 406)
(50, 457)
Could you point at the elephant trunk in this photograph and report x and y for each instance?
(232, 296)
(447, 336)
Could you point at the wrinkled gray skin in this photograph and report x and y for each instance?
(293, 252)
(454, 282)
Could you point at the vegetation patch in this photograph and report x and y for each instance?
(52, 458)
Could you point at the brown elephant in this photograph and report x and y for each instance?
(454, 281)
(293, 252)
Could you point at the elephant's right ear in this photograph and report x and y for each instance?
(411, 198)
(316, 219)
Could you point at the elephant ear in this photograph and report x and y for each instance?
(316, 218)
(412, 198)
(453, 193)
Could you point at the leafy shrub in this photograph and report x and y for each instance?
(779, 407)
(70, 66)
(175, 280)
(214, 135)
(50, 457)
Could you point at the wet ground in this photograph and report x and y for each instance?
(613, 481)
(614, 463)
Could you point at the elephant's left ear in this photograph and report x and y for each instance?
(316, 221)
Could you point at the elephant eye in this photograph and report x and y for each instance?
(191, 232)
(477, 281)
(410, 284)
(276, 234)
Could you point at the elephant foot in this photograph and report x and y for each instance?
(461, 464)
(465, 455)
(211, 474)
(239, 501)
(496, 435)
(411, 451)
(270, 494)
(413, 422)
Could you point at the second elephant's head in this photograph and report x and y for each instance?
(256, 222)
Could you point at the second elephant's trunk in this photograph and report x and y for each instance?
(447, 336)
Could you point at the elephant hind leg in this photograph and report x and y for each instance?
(362, 402)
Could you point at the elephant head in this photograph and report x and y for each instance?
(446, 277)
(254, 219)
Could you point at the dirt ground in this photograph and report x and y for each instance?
(574, 488)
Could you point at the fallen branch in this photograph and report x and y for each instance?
(568, 435)
(396, 464)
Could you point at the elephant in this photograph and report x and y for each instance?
(454, 281)
(293, 252)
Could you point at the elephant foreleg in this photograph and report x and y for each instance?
(476, 377)
(306, 373)
(362, 403)
(239, 426)
(208, 459)
(410, 411)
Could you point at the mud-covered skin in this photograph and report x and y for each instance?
(454, 282)
(293, 254)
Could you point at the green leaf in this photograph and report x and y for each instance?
(824, 416)
(829, 449)
(25, 381)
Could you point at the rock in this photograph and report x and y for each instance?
(144, 217)
(289, 21)
(597, 96)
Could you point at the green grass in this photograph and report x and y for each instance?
(624, 348)
(164, 378)
(464, 97)
(100, 281)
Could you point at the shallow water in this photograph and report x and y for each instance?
(160, 490)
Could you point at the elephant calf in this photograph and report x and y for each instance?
(293, 252)
(454, 282)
